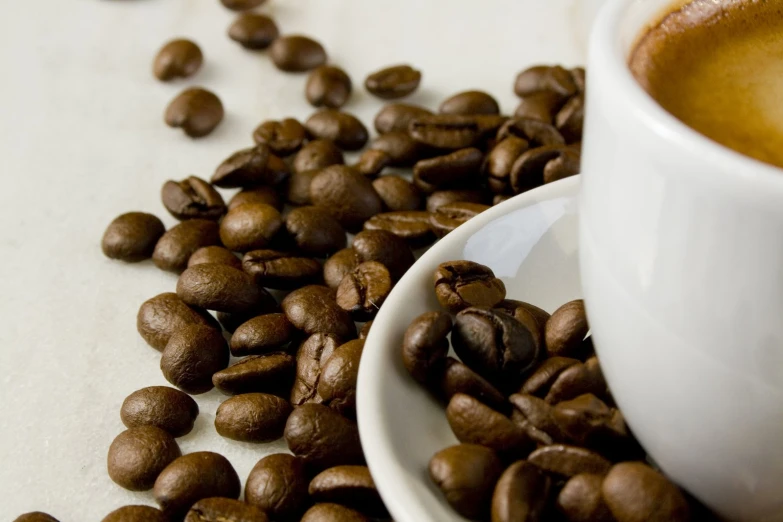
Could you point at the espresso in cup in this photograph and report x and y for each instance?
(718, 67)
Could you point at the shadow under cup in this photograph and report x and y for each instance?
(681, 253)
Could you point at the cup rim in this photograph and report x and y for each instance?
(737, 172)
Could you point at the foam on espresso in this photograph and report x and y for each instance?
(717, 65)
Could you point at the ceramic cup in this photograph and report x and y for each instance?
(681, 253)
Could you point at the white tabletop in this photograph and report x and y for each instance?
(82, 140)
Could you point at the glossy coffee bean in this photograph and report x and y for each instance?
(567, 461)
(393, 82)
(576, 380)
(545, 78)
(339, 265)
(567, 164)
(342, 128)
(345, 194)
(398, 116)
(566, 329)
(527, 172)
(426, 345)
(446, 197)
(454, 131)
(283, 137)
(397, 193)
(246, 168)
(166, 408)
(252, 417)
(413, 226)
(310, 359)
(475, 423)
(163, 315)
(132, 237)
(295, 53)
(194, 477)
(261, 194)
(263, 334)
(454, 377)
(449, 170)
(372, 162)
(537, 418)
(322, 437)
(350, 486)
(224, 510)
(129, 514)
(635, 492)
(270, 373)
(138, 455)
(588, 421)
(297, 191)
(501, 160)
(537, 133)
(402, 150)
(191, 356)
(253, 31)
(470, 102)
(192, 198)
(196, 111)
(333, 513)
(177, 59)
(466, 475)
(448, 217)
(540, 381)
(514, 307)
(541, 105)
(277, 484)
(214, 254)
(386, 248)
(363, 291)
(580, 500)
(250, 226)
(279, 270)
(266, 305)
(314, 231)
(521, 494)
(337, 382)
(313, 309)
(35, 516)
(461, 284)
(175, 247)
(317, 155)
(218, 287)
(328, 86)
(241, 5)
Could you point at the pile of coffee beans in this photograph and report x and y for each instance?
(540, 436)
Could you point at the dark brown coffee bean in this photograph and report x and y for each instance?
(315, 231)
(411, 225)
(283, 137)
(386, 248)
(511, 306)
(350, 486)
(536, 132)
(426, 345)
(578, 74)
(541, 380)
(578, 380)
(365, 331)
(197, 111)
(372, 162)
(250, 226)
(175, 247)
(466, 475)
(278, 485)
(242, 5)
(328, 86)
(164, 314)
(454, 131)
(635, 492)
(193, 477)
(475, 423)
(310, 359)
(541, 105)
(580, 500)
(545, 78)
(567, 164)
(536, 417)
(192, 355)
(448, 217)
(295, 53)
(261, 194)
(262, 334)
(313, 309)
(461, 284)
(455, 377)
(397, 193)
(337, 384)
(333, 513)
(132, 237)
(317, 155)
(340, 264)
(501, 160)
(459, 166)
(393, 82)
(345, 194)
(279, 270)
(138, 455)
(397, 117)
(298, 189)
(37, 516)
(567, 461)
(177, 59)
(214, 254)
(252, 417)
(127, 514)
(362, 292)
(322, 437)
(587, 421)
(266, 305)
(245, 168)
(192, 198)
(253, 31)
(403, 151)
(224, 510)
(529, 169)
(270, 373)
(445, 197)
(470, 102)
(566, 329)
(166, 408)
(342, 128)
(218, 287)
(570, 119)
(521, 494)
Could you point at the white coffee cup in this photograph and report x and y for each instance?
(682, 268)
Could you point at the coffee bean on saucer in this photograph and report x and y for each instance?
(521, 493)
(337, 384)
(540, 381)
(342, 128)
(566, 329)
(313, 309)
(587, 421)
(315, 231)
(322, 437)
(310, 359)
(426, 344)
(461, 284)
(177, 59)
(253, 31)
(372, 162)
(277, 484)
(475, 423)
(270, 373)
(316, 155)
(362, 292)
(166, 408)
(252, 417)
(635, 492)
(164, 314)
(470, 102)
(365, 331)
(386, 248)
(174, 248)
(350, 486)
(224, 510)
(541, 105)
(241, 5)
(448, 170)
(411, 225)
(36, 516)
(466, 475)
(328, 86)
(244, 168)
(192, 198)
(545, 78)
(339, 265)
(283, 137)
(214, 254)
(132, 237)
(279, 270)
(580, 499)
(537, 418)
(197, 111)
(454, 131)
(260, 194)
(250, 226)
(397, 193)
(218, 287)
(194, 477)
(192, 355)
(263, 334)
(346, 194)
(333, 513)
(448, 217)
(440, 198)
(295, 53)
(566, 461)
(454, 377)
(396, 117)
(393, 82)
(138, 455)
(129, 514)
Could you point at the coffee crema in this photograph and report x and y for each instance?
(718, 67)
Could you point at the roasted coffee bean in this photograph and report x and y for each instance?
(278, 485)
(397, 193)
(322, 437)
(393, 82)
(537, 418)
(466, 475)
(315, 231)
(194, 477)
(192, 355)
(551, 161)
(263, 334)
(570, 119)
(386, 248)
(580, 500)
(566, 461)
(403, 151)
(127, 514)
(250, 226)
(461, 165)
(224, 510)
(296, 53)
(175, 247)
(635, 492)
(337, 384)
(283, 137)
(501, 160)
(333, 513)
(342, 128)
(454, 377)
(253, 31)
(350, 486)
(36, 516)
(588, 421)
(529, 320)
(310, 359)
(545, 78)
(411, 225)
(365, 331)
(340, 264)
(265, 305)
(461, 284)
(578, 74)
(345, 194)
(166, 408)
(280, 270)
(177, 59)
(567, 164)
(218, 287)
(138, 455)
(242, 5)
(536, 132)
(214, 254)
(475, 423)
(511, 306)
(246, 167)
(197, 111)
(313, 309)
(566, 329)
(132, 237)
(192, 198)
(362, 292)
(270, 373)
(541, 380)
(445, 197)
(317, 155)
(541, 105)
(426, 345)
(298, 189)
(372, 162)
(328, 86)
(397, 117)
(261, 194)
(164, 314)
(470, 102)
(448, 217)
(521, 494)
(252, 417)
(454, 131)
